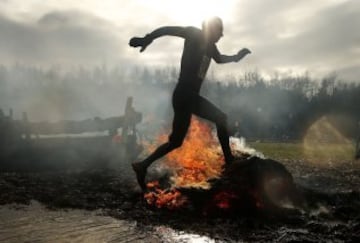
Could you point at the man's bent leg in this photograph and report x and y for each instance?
(205, 109)
(140, 168)
(180, 126)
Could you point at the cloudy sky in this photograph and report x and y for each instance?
(285, 36)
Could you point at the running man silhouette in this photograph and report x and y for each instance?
(199, 49)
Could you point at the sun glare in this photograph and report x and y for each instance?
(324, 144)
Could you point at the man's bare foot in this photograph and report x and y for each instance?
(140, 171)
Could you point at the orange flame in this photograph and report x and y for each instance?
(170, 199)
(198, 159)
(195, 162)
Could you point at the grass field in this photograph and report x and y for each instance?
(310, 152)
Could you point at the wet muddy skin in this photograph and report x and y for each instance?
(332, 194)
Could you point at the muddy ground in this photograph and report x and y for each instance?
(331, 191)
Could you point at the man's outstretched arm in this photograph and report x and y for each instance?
(143, 42)
(220, 58)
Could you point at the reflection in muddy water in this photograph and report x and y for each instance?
(35, 223)
(168, 235)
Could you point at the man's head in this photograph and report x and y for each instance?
(213, 29)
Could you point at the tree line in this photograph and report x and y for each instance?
(279, 108)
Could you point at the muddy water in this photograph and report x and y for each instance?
(35, 223)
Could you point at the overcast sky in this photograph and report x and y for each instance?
(318, 36)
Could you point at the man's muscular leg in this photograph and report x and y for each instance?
(205, 109)
(180, 126)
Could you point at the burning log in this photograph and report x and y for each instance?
(203, 182)
(250, 185)
(246, 186)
